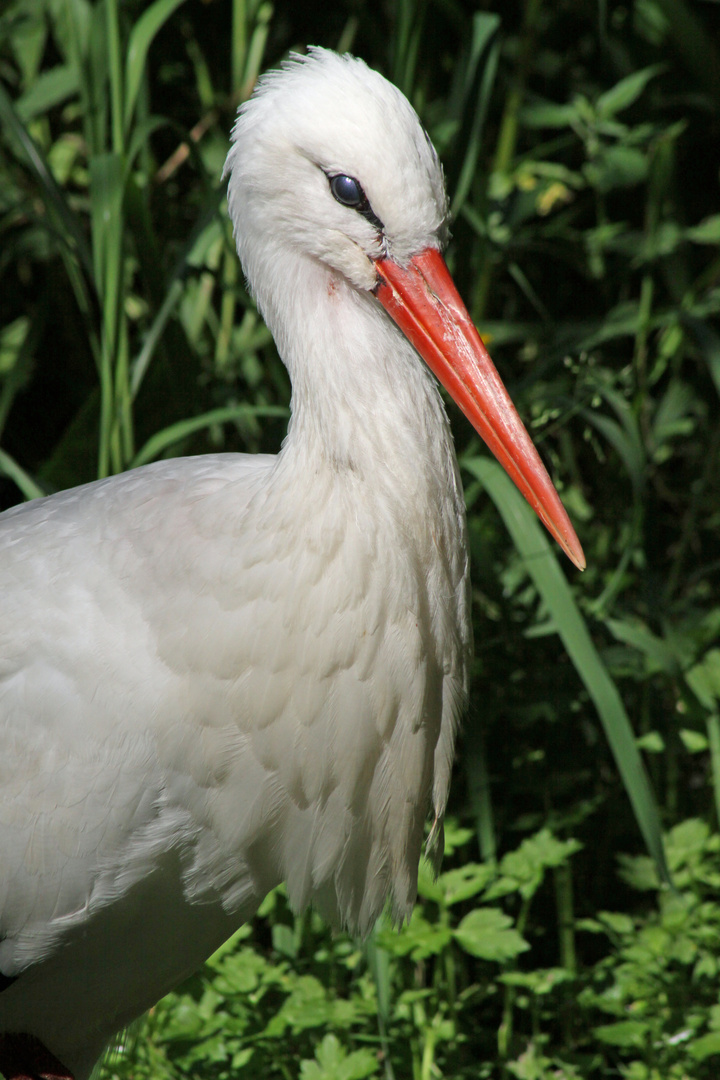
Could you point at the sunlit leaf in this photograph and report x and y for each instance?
(488, 933)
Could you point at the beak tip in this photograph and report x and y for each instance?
(575, 553)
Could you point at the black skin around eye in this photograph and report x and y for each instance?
(348, 192)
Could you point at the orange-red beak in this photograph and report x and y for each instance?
(425, 304)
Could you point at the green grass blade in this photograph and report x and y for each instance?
(141, 38)
(114, 53)
(10, 468)
(107, 186)
(550, 581)
(175, 433)
(485, 44)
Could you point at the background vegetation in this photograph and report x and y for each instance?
(581, 143)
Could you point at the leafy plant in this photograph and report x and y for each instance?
(581, 145)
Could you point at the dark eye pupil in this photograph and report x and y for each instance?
(347, 190)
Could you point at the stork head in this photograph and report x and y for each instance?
(330, 162)
(331, 155)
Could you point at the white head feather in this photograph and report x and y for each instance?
(322, 115)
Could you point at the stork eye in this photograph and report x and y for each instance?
(348, 192)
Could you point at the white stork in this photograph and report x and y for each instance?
(219, 673)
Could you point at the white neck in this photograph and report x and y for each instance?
(362, 400)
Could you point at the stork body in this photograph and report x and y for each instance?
(224, 672)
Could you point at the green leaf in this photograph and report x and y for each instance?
(706, 1046)
(693, 741)
(486, 44)
(704, 679)
(628, 1033)
(687, 842)
(48, 90)
(310, 1006)
(639, 871)
(419, 939)
(466, 881)
(332, 1062)
(616, 167)
(240, 973)
(141, 38)
(617, 921)
(541, 981)
(636, 634)
(545, 571)
(651, 743)
(626, 92)
(674, 412)
(547, 114)
(707, 232)
(523, 870)
(488, 933)
(107, 185)
(624, 434)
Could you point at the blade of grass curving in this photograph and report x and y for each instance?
(486, 44)
(175, 433)
(141, 38)
(550, 581)
(10, 468)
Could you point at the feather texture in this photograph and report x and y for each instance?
(221, 673)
